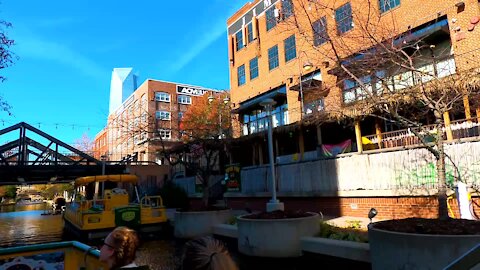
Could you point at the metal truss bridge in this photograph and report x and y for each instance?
(30, 156)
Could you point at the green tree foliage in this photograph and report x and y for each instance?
(10, 191)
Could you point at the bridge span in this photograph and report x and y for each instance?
(31, 156)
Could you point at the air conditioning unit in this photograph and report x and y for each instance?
(276, 13)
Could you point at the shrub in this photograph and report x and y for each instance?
(346, 234)
(173, 196)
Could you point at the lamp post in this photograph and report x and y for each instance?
(306, 66)
(274, 203)
(226, 100)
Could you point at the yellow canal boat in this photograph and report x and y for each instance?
(101, 203)
(56, 255)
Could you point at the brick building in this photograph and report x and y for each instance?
(273, 45)
(304, 52)
(147, 120)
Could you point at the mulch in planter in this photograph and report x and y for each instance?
(431, 226)
(278, 214)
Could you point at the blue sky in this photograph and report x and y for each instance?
(67, 50)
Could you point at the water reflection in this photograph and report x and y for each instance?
(25, 207)
(25, 224)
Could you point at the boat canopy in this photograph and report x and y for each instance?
(123, 178)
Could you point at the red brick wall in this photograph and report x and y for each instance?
(387, 207)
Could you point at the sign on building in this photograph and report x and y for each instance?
(192, 91)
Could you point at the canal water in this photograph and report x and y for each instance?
(24, 225)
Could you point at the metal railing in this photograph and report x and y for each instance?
(467, 261)
(461, 129)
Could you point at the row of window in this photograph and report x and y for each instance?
(272, 16)
(257, 120)
(165, 97)
(379, 82)
(343, 19)
(290, 52)
(165, 115)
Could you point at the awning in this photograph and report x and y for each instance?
(422, 32)
(309, 82)
(278, 94)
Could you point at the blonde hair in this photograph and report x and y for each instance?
(207, 253)
(125, 243)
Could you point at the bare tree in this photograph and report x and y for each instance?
(85, 144)
(7, 58)
(380, 68)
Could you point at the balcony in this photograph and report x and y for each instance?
(380, 83)
(461, 130)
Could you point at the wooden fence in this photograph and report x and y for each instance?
(401, 169)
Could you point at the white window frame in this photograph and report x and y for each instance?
(184, 99)
(162, 96)
(165, 134)
(163, 115)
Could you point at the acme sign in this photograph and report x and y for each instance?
(192, 91)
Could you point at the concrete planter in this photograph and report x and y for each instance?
(275, 238)
(337, 248)
(189, 225)
(394, 250)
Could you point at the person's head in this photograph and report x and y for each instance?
(119, 247)
(207, 253)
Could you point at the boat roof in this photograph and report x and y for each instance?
(123, 178)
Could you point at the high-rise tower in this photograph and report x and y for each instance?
(123, 84)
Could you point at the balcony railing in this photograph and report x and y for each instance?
(461, 129)
(374, 85)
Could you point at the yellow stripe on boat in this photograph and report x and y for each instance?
(123, 178)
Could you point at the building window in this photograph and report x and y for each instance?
(314, 106)
(162, 96)
(239, 40)
(250, 32)
(241, 75)
(183, 99)
(162, 115)
(254, 68)
(257, 120)
(320, 34)
(290, 48)
(165, 134)
(344, 19)
(180, 116)
(386, 5)
(270, 17)
(287, 8)
(273, 57)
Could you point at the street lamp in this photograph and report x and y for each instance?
(226, 100)
(274, 204)
(211, 98)
(306, 66)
